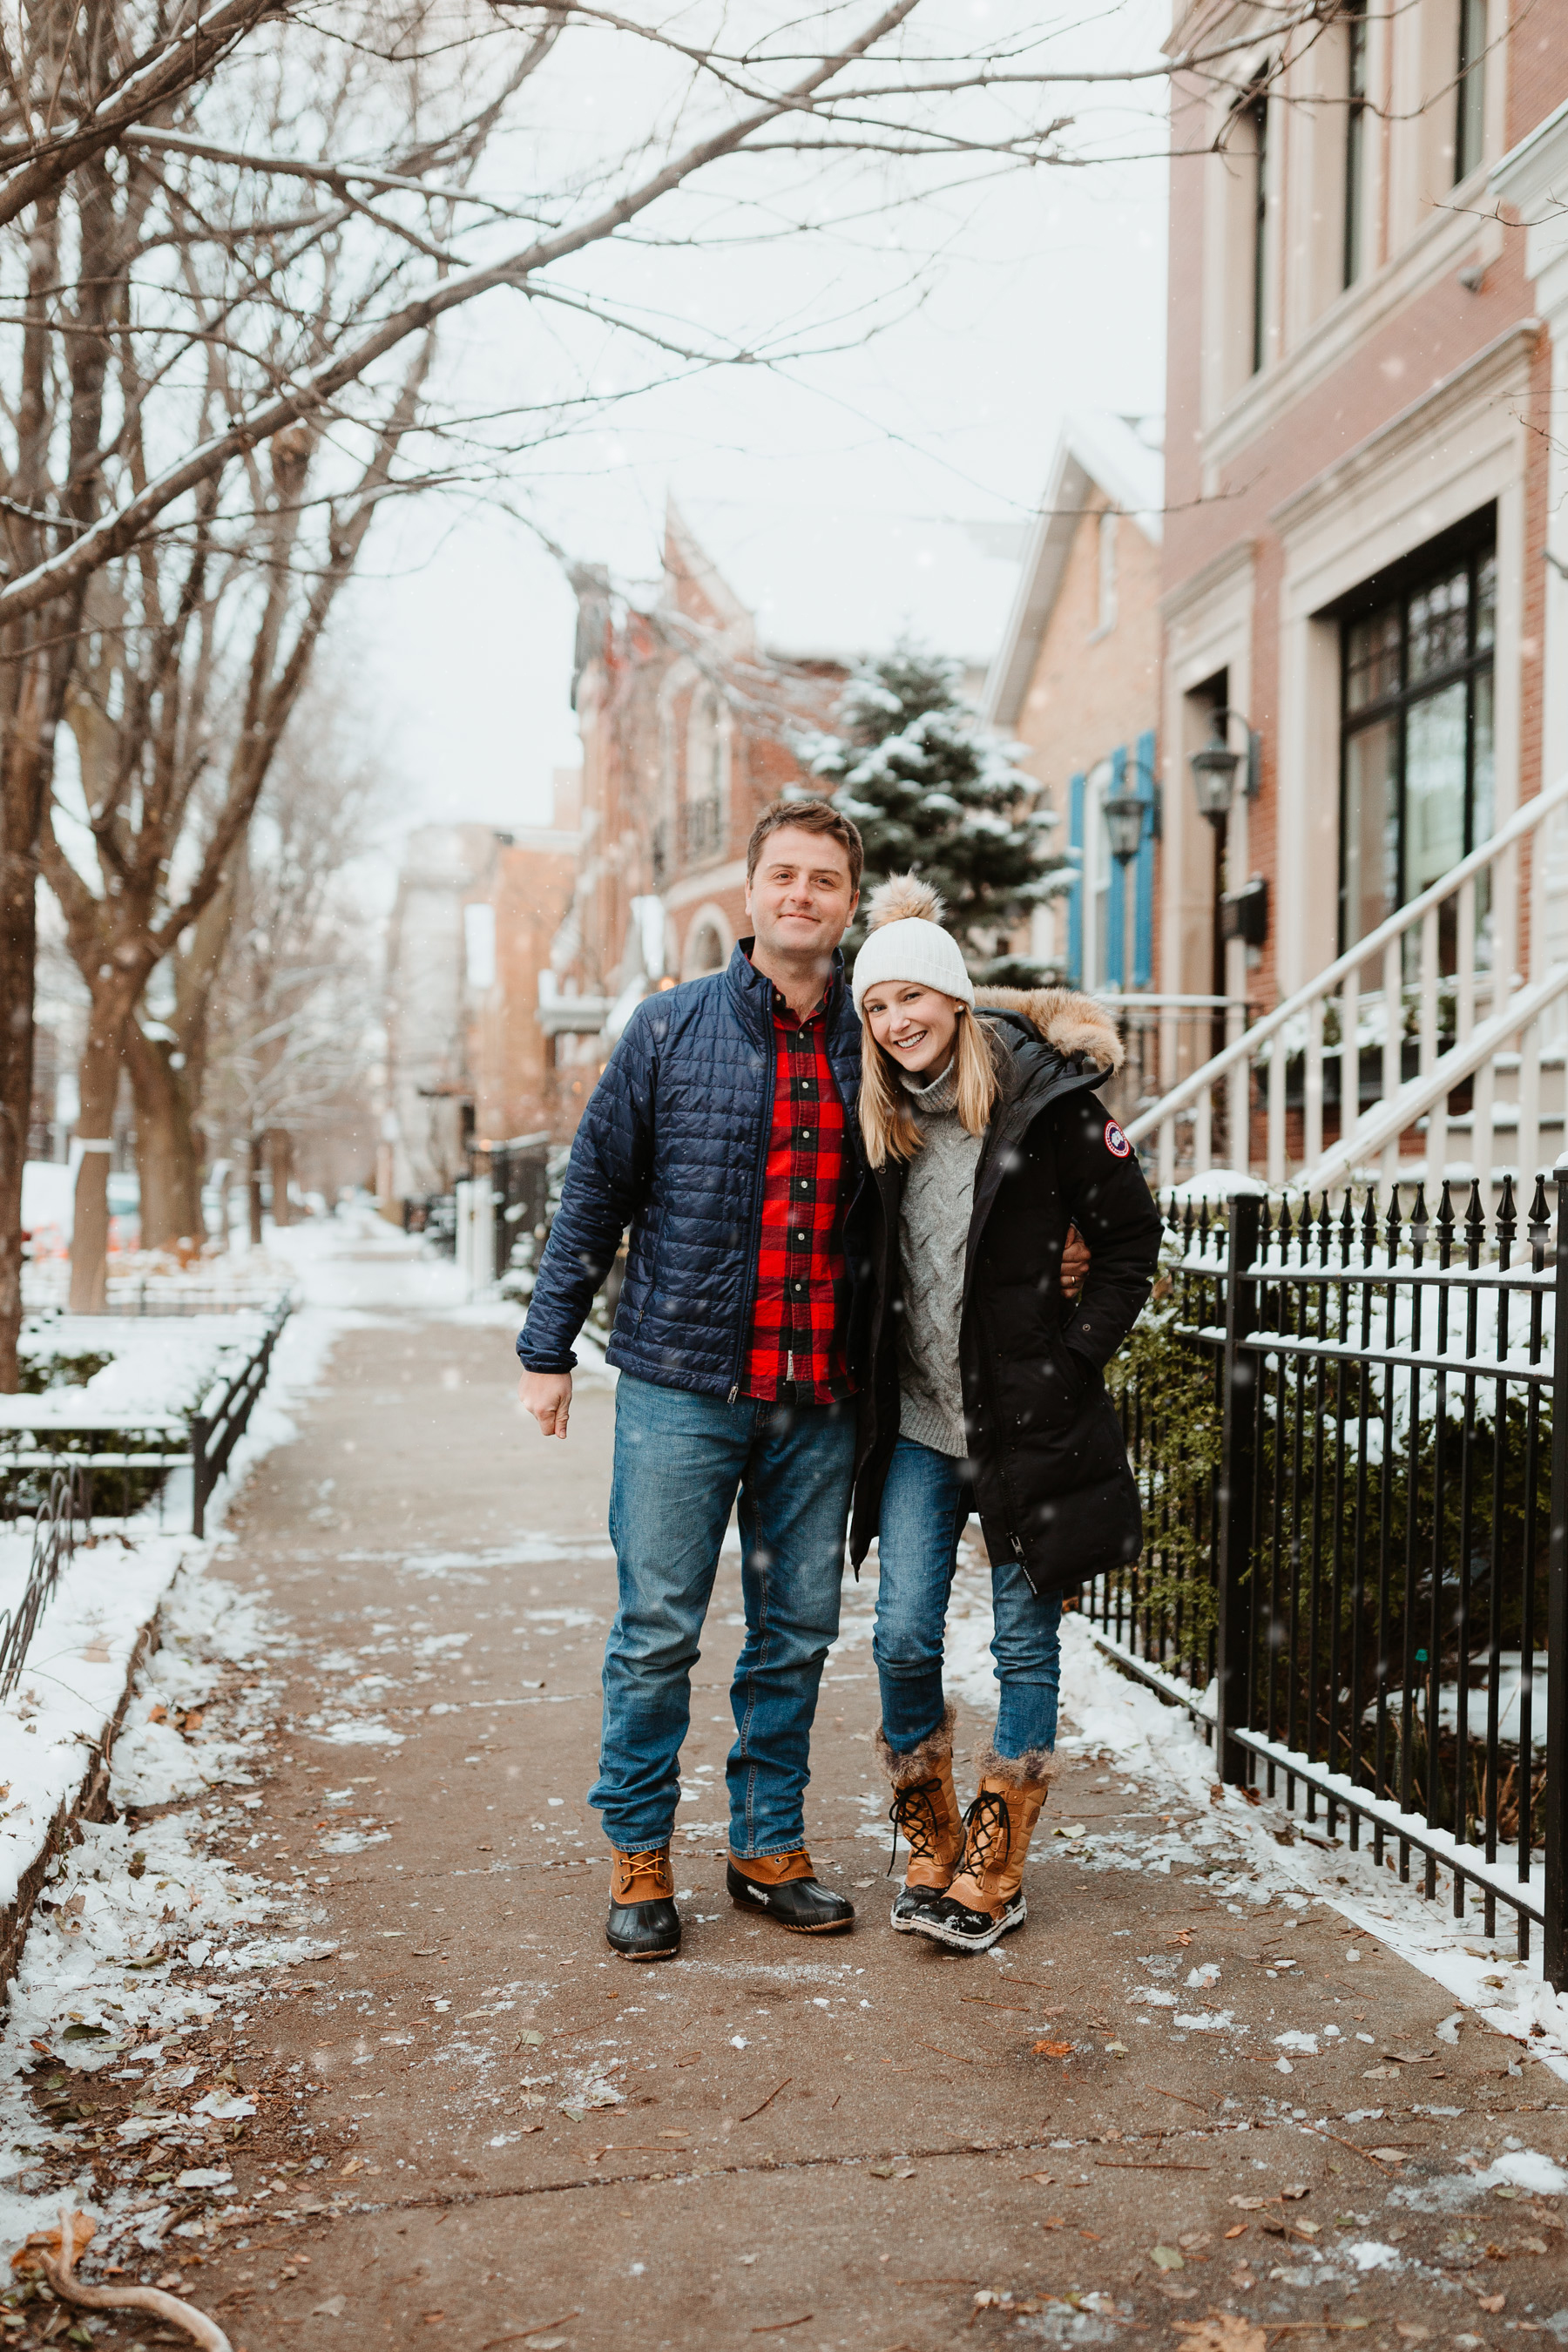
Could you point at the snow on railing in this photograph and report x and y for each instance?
(1468, 922)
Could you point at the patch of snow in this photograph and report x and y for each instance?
(1306, 2044)
(1372, 2254)
(1205, 2021)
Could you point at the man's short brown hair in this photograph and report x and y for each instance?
(808, 816)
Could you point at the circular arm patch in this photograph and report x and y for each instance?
(1116, 1142)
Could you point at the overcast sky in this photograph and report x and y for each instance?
(1046, 295)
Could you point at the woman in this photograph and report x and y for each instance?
(982, 1387)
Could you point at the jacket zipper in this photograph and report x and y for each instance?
(759, 1163)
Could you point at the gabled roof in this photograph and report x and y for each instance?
(1099, 453)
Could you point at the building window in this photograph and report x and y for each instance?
(1416, 738)
(1355, 258)
(1469, 130)
(1257, 113)
(704, 778)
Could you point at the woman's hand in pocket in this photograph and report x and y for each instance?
(1074, 1263)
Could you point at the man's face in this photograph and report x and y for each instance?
(800, 901)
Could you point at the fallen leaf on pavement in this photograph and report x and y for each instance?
(333, 2308)
(1239, 2230)
(1491, 2302)
(1221, 2331)
(1169, 2258)
(1249, 2204)
(1412, 2331)
(1051, 2050)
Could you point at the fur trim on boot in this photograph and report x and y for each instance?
(1030, 1770)
(920, 1763)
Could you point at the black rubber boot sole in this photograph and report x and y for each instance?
(665, 1949)
(966, 1934)
(760, 1907)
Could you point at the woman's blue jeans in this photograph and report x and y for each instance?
(925, 1504)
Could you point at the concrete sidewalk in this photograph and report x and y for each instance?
(856, 2143)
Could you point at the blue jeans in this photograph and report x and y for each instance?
(925, 1504)
(681, 1459)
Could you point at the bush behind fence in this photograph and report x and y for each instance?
(1355, 1490)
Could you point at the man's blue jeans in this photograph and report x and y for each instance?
(681, 1460)
(925, 1504)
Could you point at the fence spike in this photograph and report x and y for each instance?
(1475, 1219)
(1507, 1221)
(1391, 1225)
(1369, 1226)
(1347, 1229)
(1540, 1214)
(1446, 1211)
(1325, 1229)
(1420, 1224)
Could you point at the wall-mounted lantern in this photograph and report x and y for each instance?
(1215, 766)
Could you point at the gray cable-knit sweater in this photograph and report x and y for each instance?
(933, 1234)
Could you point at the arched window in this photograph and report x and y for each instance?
(704, 777)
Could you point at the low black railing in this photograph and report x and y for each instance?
(123, 1461)
(1355, 1487)
(56, 1527)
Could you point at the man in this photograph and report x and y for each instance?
(721, 1133)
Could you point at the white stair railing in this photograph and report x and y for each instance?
(1334, 1019)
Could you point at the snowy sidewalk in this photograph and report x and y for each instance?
(329, 2032)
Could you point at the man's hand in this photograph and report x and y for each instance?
(548, 1397)
(1075, 1265)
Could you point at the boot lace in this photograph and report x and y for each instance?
(635, 1867)
(988, 1832)
(913, 1811)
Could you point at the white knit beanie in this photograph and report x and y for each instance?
(906, 942)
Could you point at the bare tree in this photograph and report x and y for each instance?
(221, 232)
(290, 1030)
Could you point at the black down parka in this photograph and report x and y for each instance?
(673, 1142)
(1050, 1474)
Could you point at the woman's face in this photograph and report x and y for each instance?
(914, 1024)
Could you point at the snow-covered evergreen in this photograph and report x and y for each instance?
(933, 793)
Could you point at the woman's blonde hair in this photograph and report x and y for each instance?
(889, 1125)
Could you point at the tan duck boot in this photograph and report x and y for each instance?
(925, 1808)
(986, 1899)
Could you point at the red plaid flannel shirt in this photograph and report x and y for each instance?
(800, 1317)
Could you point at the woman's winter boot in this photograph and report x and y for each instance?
(986, 1898)
(925, 1807)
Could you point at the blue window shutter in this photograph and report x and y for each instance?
(1075, 896)
(1144, 897)
(1114, 949)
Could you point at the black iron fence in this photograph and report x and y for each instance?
(1355, 1488)
(121, 1462)
(56, 1526)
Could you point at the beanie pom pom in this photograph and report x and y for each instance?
(903, 898)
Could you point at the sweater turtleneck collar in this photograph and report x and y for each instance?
(940, 1095)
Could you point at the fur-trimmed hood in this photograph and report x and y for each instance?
(1070, 1022)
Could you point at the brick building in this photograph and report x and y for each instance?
(1076, 681)
(476, 916)
(685, 720)
(1359, 454)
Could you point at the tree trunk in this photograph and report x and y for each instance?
(18, 946)
(258, 1146)
(95, 1130)
(282, 1158)
(168, 1158)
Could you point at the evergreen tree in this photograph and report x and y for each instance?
(933, 795)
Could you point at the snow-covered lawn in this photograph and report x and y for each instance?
(159, 1369)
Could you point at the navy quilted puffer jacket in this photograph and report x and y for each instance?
(674, 1143)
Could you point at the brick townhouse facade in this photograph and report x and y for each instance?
(1359, 466)
(1074, 683)
(686, 721)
